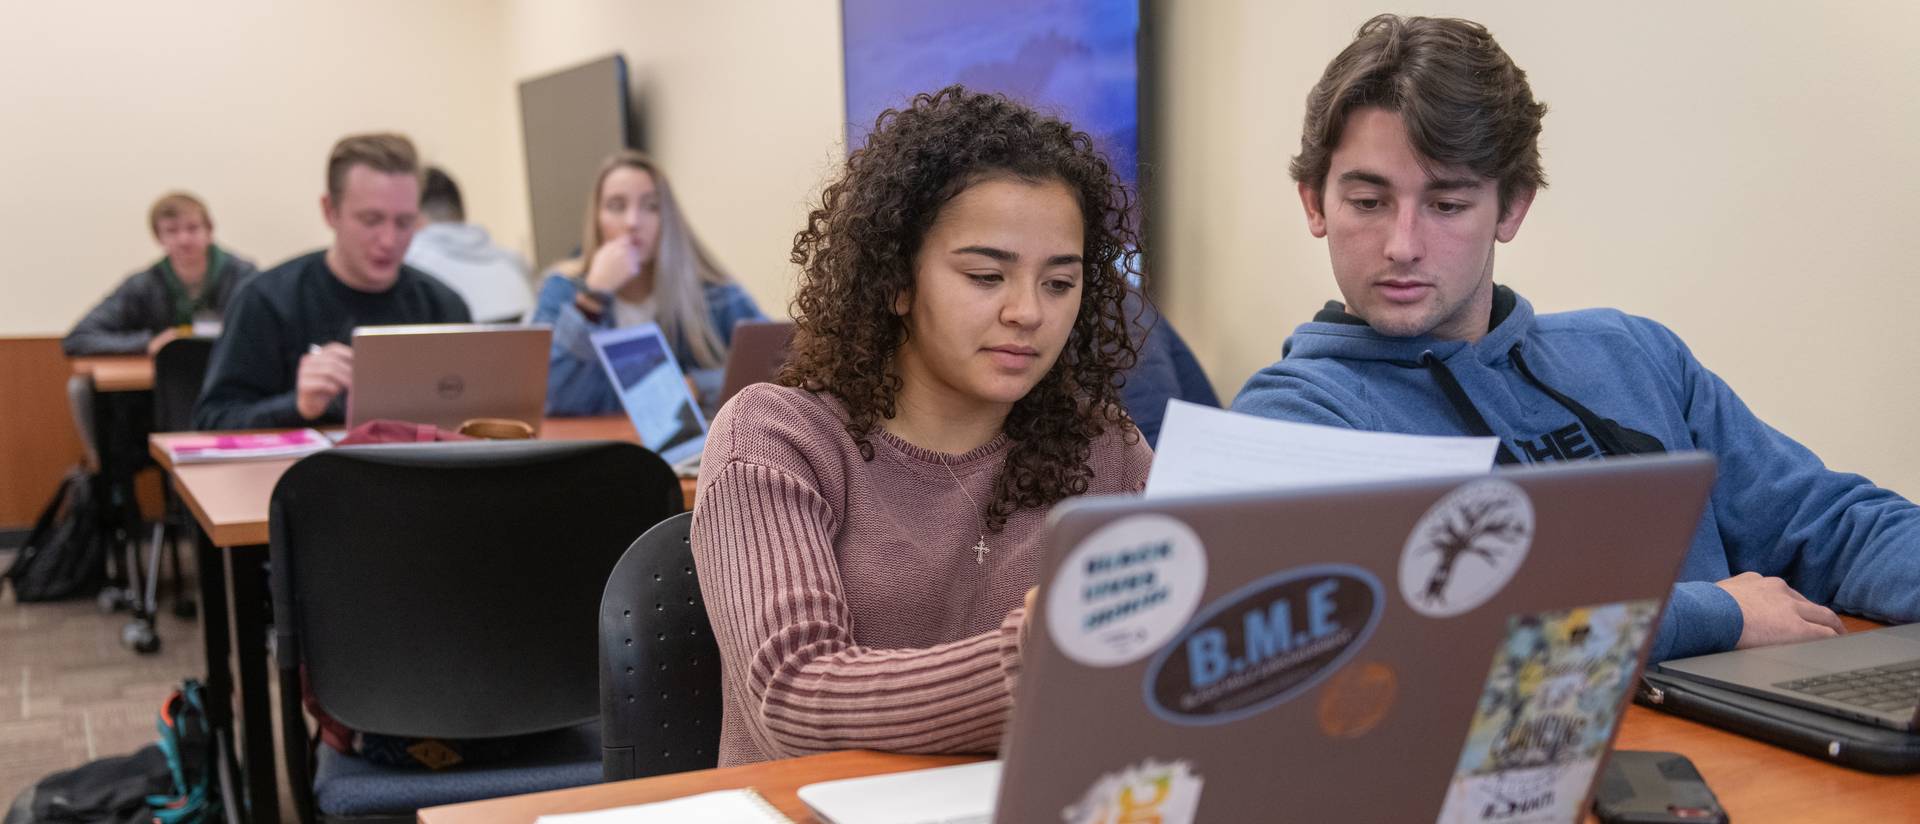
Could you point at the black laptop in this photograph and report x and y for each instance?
(1871, 676)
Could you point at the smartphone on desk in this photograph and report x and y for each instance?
(1645, 787)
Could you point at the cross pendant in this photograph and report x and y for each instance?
(980, 551)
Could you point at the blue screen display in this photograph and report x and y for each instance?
(1074, 59)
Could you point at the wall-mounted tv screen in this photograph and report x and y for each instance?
(1075, 59)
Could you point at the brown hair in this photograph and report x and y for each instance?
(386, 152)
(1464, 101)
(682, 267)
(175, 204)
(857, 255)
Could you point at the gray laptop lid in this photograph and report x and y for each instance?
(444, 374)
(757, 351)
(1455, 650)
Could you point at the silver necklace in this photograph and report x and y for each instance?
(980, 549)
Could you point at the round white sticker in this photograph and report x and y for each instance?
(1125, 590)
(1466, 548)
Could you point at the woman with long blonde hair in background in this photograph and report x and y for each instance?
(639, 263)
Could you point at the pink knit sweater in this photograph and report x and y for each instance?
(845, 594)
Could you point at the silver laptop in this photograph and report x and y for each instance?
(655, 393)
(757, 351)
(1866, 676)
(446, 374)
(1276, 656)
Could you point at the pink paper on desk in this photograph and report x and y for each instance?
(291, 443)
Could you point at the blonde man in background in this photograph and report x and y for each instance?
(285, 360)
(192, 283)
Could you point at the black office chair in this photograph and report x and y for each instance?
(104, 450)
(659, 665)
(178, 370)
(446, 591)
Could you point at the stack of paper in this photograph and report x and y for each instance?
(1204, 450)
(251, 447)
(723, 807)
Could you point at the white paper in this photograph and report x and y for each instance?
(1203, 449)
(960, 794)
(722, 807)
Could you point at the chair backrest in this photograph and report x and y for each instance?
(80, 403)
(447, 590)
(178, 370)
(659, 664)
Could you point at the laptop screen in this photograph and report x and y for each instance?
(653, 390)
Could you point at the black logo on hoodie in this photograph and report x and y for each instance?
(1573, 442)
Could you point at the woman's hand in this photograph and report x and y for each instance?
(614, 264)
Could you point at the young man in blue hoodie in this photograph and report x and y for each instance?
(1419, 152)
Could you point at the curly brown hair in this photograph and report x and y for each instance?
(857, 256)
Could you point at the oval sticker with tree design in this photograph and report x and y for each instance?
(1466, 548)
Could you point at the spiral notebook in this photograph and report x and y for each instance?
(742, 806)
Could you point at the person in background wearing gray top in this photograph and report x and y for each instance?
(495, 283)
(193, 282)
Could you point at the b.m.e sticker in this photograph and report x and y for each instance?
(1264, 643)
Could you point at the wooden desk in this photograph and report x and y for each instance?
(230, 498)
(230, 501)
(777, 781)
(116, 373)
(1757, 783)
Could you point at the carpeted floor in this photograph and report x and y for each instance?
(70, 693)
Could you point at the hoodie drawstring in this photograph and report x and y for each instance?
(1463, 405)
(1606, 433)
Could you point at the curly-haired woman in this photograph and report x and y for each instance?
(639, 263)
(867, 529)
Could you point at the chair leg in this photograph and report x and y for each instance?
(139, 634)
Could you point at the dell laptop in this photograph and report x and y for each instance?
(447, 374)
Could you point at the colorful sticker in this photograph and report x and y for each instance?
(1165, 792)
(1125, 590)
(1263, 644)
(1466, 548)
(1546, 713)
(1356, 699)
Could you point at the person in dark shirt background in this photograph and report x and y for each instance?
(193, 283)
(284, 359)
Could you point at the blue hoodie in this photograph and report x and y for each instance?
(1598, 382)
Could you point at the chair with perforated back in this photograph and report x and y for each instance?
(447, 591)
(659, 664)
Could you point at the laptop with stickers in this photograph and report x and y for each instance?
(1267, 656)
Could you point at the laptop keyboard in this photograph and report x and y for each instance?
(1885, 689)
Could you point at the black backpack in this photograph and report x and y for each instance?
(170, 782)
(65, 555)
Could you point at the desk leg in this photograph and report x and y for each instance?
(213, 628)
(219, 681)
(246, 569)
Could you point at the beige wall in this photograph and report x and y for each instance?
(1738, 171)
(742, 106)
(109, 104)
(1741, 172)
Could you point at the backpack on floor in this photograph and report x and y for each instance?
(65, 555)
(170, 782)
(186, 739)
